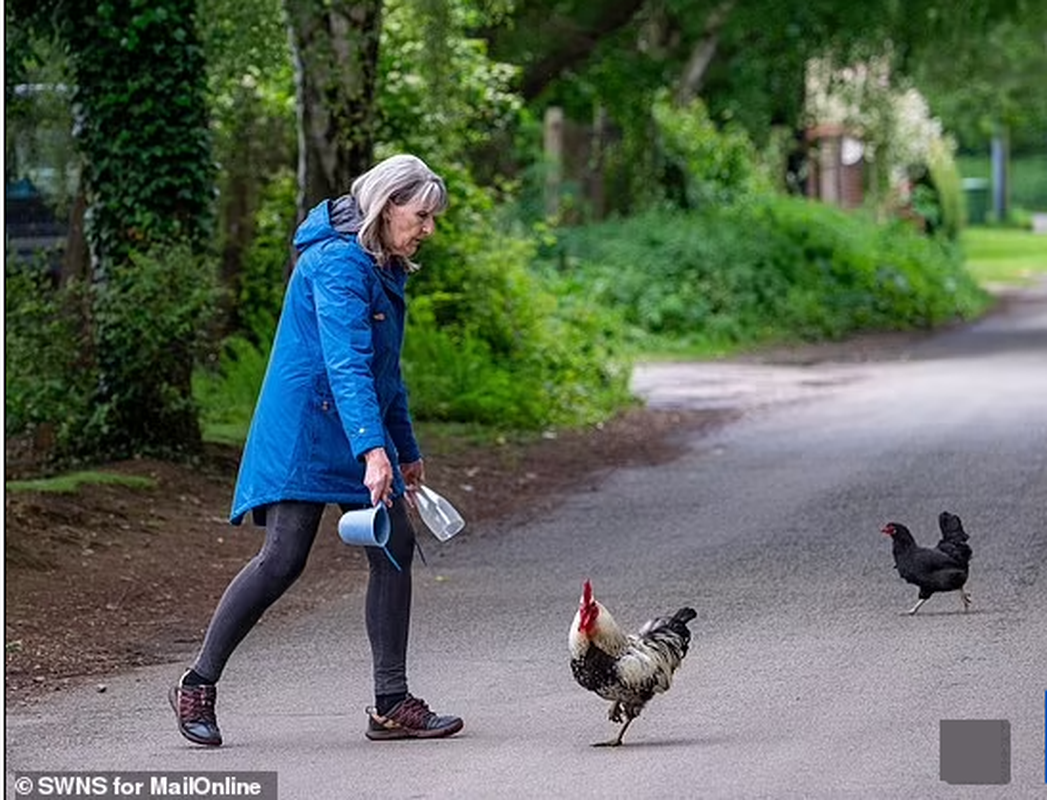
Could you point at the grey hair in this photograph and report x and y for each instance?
(399, 180)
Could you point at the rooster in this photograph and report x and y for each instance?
(941, 569)
(627, 669)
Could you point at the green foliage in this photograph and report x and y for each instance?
(245, 45)
(490, 342)
(440, 95)
(776, 268)
(150, 317)
(142, 129)
(142, 126)
(253, 121)
(102, 367)
(1004, 255)
(950, 200)
(48, 384)
(228, 391)
(1027, 175)
(151, 320)
(938, 197)
(261, 284)
(715, 166)
(992, 75)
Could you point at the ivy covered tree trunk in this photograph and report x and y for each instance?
(335, 44)
(148, 180)
(141, 92)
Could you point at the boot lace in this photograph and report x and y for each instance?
(196, 704)
(413, 713)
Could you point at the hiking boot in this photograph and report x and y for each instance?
(410, 719)
(194, 710)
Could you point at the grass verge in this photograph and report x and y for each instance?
(71, 482)
(1004, 255)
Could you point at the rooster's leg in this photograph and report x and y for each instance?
(916, 607)
(615, 714)
(965, 598)
(618, 739)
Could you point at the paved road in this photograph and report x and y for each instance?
(804, 681)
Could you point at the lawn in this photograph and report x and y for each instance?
(1005, 255)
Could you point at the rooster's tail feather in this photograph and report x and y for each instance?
(684, 615)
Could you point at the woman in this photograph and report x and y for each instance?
(332, 426)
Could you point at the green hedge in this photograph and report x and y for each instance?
(772, 269)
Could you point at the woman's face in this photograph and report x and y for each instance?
(407, 226)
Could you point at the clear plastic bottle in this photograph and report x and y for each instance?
(437, 513)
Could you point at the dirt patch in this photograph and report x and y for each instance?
(112, 577)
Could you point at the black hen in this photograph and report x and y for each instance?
(941, 569)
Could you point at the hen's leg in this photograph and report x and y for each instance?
(965, 598)
(916, 607)
(615, 714)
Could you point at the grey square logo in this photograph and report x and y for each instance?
(975, 751)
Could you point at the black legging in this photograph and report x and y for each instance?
(290, 529)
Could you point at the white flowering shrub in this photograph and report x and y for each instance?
(903, 141)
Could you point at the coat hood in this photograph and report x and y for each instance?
(329, 219)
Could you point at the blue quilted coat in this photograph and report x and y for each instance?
(333, 389)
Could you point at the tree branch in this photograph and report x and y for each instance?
(703, 53)
(557, 42)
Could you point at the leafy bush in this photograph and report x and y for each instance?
(47, 383)
(772, 268)
(105, 366)
(490, 342)
(151, 320)
(714, 165)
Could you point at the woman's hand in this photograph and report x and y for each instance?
(414, 473)
(378, 477)
(414, 476)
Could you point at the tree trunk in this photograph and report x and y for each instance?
(335, 47)
(595, 186)
(76, 261)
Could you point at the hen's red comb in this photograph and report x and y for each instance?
(587, 593)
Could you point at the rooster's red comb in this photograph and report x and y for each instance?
(587, 593)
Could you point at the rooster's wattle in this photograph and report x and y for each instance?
(627, 669)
